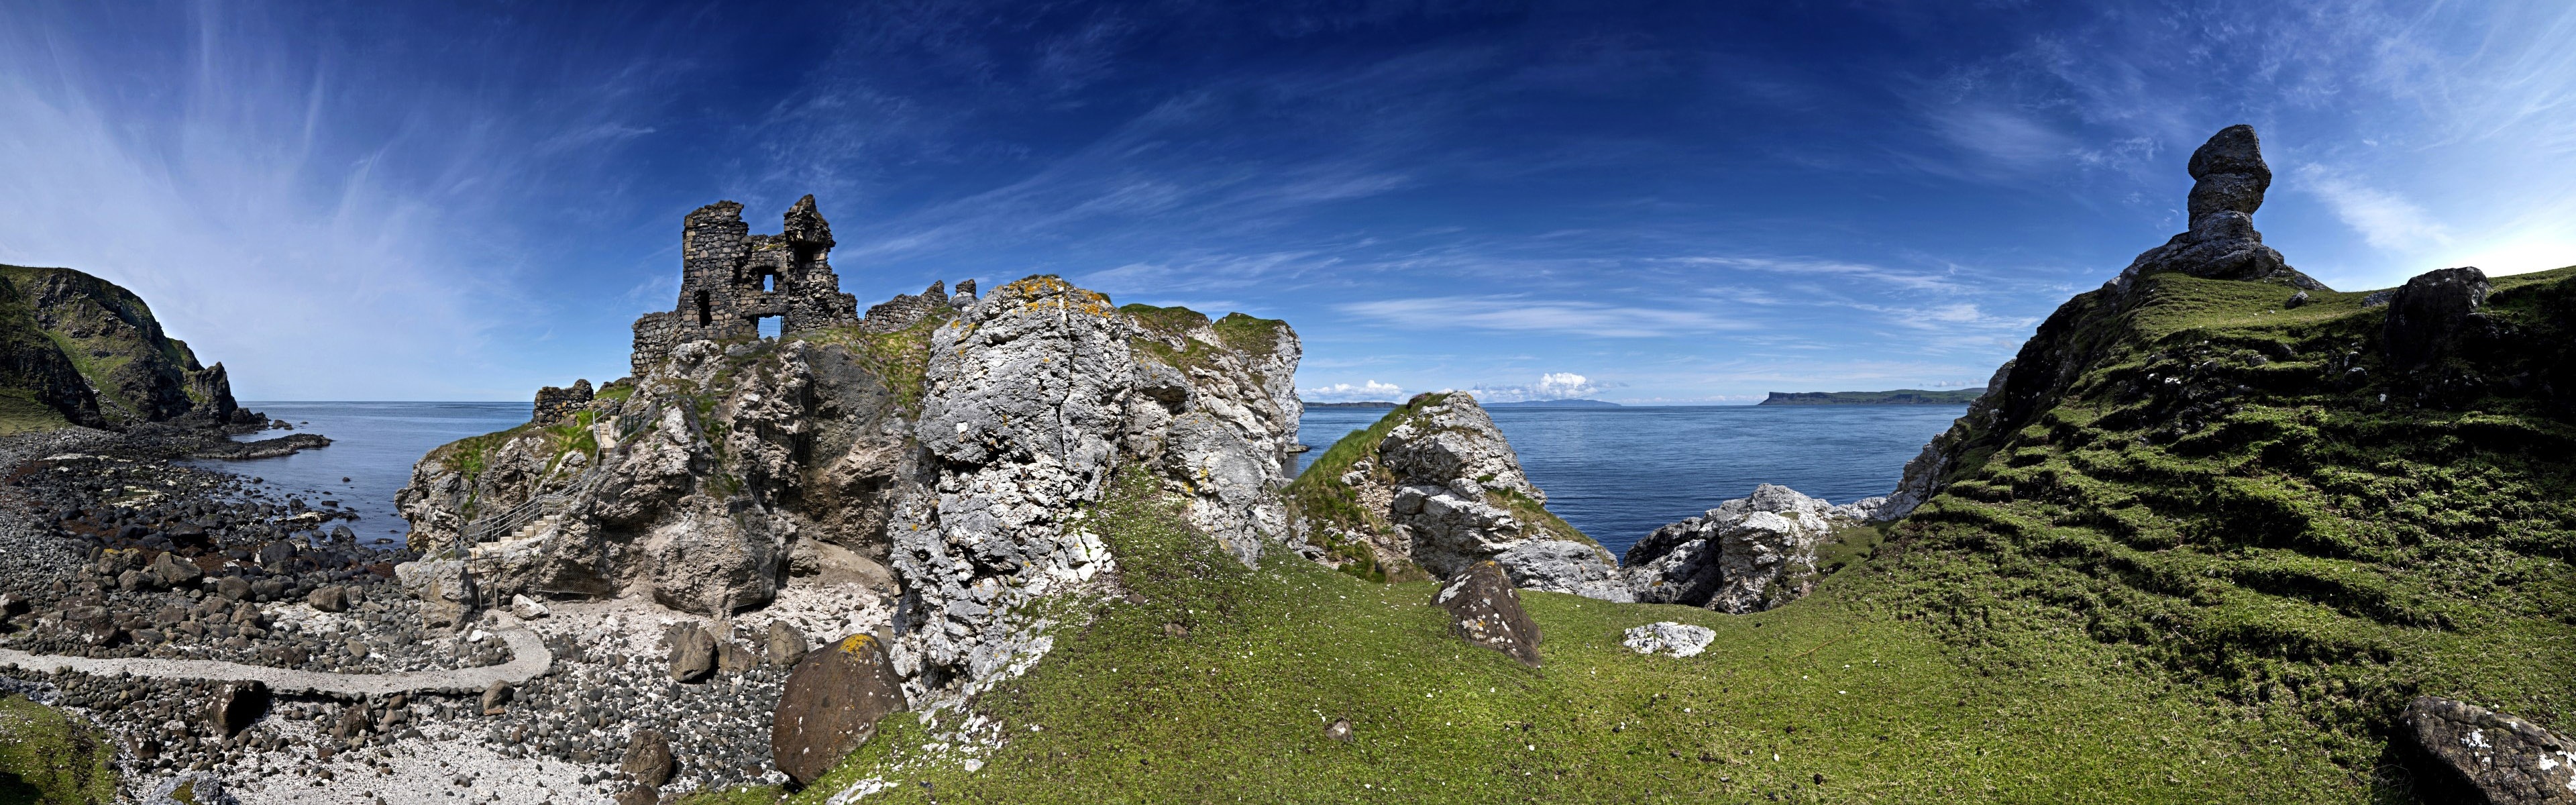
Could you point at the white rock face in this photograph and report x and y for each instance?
(1448, 505)
(1669, 639)
(1565, 566)
(1747, 555)
(1033, 398)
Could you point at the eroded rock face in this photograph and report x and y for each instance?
(2503, 758)
(1484, 609)
(2228, 182)
(1923, 473)
(1747, 555)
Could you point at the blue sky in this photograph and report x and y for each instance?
(1680, 203)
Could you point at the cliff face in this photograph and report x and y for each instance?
(123, 370)
(945, 447)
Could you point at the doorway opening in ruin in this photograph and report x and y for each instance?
(769, 326)
(705, 316)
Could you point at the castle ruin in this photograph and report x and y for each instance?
(731, 279)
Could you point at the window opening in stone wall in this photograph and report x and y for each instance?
(768, 283)
(769, 325)
(705, 316)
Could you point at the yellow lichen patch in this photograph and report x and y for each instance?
(857, 644)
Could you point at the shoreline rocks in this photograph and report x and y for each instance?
(1747, 555)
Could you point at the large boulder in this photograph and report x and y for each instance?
(1668, 638)
(713, 564)
(1484, 609)
(446, 590)
(1747, 555)
(2505, 760)
(2431, 313)
(831, 706)
(175, 572)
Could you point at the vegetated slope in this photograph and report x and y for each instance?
(122, 369)
(2258, 504)
(1217, 682)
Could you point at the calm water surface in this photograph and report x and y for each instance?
(373, 444)
(1618, 473)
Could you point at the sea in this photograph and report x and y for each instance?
(1615, 473)
(373, 446)
(1619, 473)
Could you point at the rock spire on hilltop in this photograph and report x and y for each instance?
(2228, 182)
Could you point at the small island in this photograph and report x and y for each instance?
(1897, 397)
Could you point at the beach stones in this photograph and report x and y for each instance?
(174, 572)
(786, 644)
(693, 652)
(330, 598)
(648, 758)
(494, 697)
(232, 587)
(1485, 609)
(831, 706)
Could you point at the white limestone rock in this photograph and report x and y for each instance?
(1747, 555)
(1669, 639)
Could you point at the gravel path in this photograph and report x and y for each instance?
(528, 659)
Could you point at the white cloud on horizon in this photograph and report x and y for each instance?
(1366, 391)
(2385, 219)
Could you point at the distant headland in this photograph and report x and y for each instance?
(1897, 397)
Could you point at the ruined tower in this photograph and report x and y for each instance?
(730, 279)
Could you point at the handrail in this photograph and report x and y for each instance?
(488, 528)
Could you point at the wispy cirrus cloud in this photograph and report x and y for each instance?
(1520, 314)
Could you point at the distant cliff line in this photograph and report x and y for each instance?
(1897, 397)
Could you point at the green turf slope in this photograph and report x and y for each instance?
(2197, 559)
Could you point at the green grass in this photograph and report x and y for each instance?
(1318, 496)
(21, 413)
(1834, 685)
(47, 756)
(901, 358)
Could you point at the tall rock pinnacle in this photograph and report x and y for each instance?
(2229, 178)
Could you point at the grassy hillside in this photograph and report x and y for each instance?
(1834, 688)
(2199, 560)
(2247, 500)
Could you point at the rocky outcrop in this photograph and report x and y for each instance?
(2228, 182)
(2501, 758)
(1747, 555)
(1485, 609)
(943, 449)
(2432, 313)
(1437, 487)
(1923, 473)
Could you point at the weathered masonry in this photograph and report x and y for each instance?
(730, 279)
